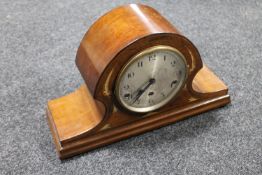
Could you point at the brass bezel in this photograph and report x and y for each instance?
(133, 59)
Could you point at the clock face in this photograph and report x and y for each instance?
(151, 79)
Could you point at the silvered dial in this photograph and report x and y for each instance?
(151, 79)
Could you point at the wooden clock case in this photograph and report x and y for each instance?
(91, 117)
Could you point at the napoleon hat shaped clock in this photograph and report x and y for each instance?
(140, 74)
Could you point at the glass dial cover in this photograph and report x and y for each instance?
(151, 79)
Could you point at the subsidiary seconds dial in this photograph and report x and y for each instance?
(151, 79)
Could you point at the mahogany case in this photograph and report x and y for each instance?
(91, 117)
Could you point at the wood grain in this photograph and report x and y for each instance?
(91, 117)
(115, 38)
(75, 113)
(111, 33)
(121, 125)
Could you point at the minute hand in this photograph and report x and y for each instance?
(143, 89)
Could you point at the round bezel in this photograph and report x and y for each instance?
(168, 98)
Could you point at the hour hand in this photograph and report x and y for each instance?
(142, 89)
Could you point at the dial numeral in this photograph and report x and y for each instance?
(173, 63)
(127, 96)
(164, 58)
(164, 95)
(130, 75)
(173, 83)
(126, 86)
(150, 93)
(140, 64)
(150, 101)
(152, 57)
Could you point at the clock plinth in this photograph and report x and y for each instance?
(71, 118)
(93, 115)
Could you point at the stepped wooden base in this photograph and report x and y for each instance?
(71, 117)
